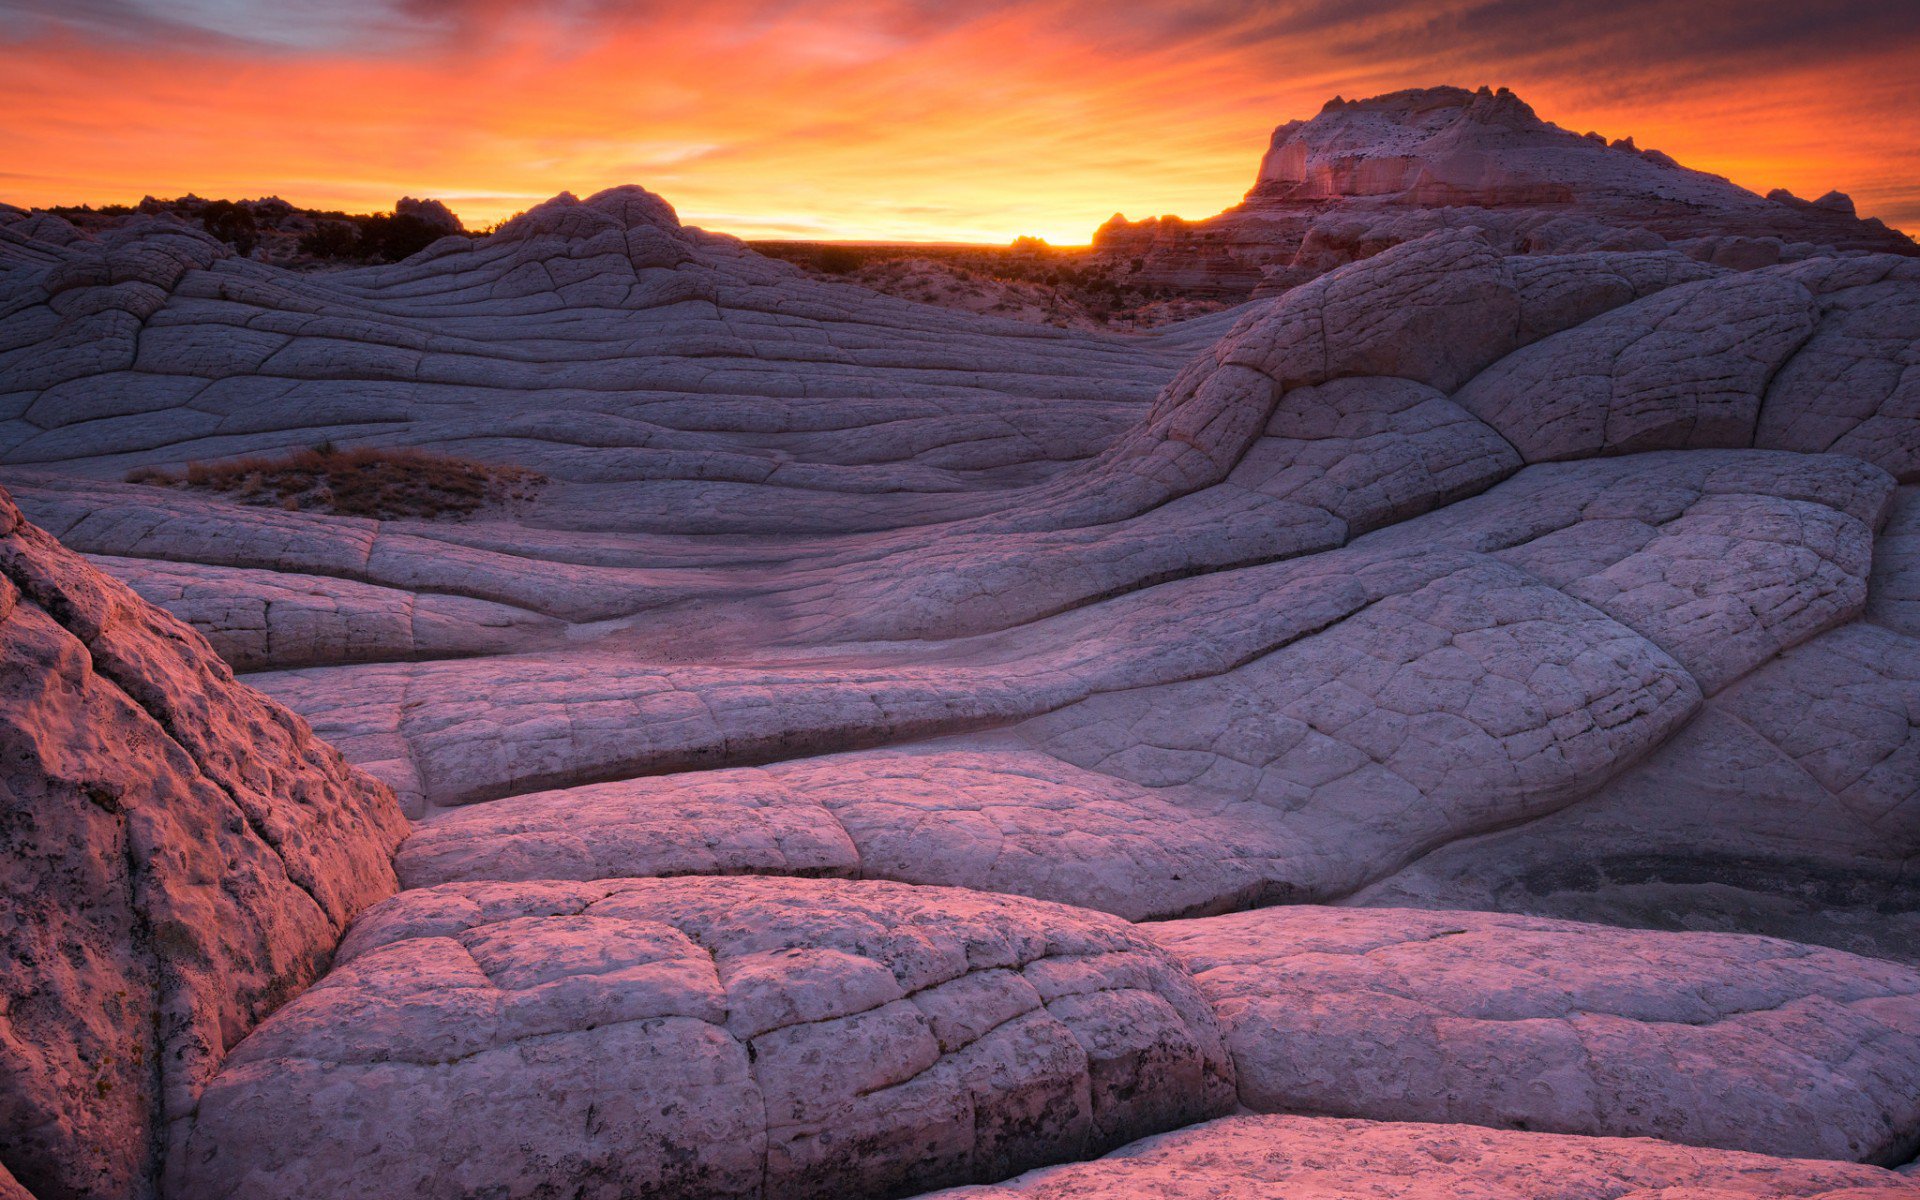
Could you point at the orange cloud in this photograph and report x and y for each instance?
(904, 120)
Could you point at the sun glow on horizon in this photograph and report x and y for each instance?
(877, 122)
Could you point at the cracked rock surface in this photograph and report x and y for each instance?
(1524, 1023)
(708, 1037)
(1448, 660)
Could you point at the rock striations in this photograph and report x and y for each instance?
(1460, 714)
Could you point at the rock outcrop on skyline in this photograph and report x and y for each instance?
(429, 212)
(899, 748)
(1364, 175)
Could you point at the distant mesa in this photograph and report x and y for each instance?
(1363, 175)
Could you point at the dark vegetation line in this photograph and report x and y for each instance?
(385, 484)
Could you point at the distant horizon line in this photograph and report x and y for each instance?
(719, 223)
(484, 228)
(481, 228)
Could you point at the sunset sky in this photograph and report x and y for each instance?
(902, 119)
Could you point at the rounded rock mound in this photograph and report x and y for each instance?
(707, 1037)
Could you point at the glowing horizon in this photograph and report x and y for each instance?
(900, 121)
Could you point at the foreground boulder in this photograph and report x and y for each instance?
(707, 1038)
(1738, 1042)
(178, 857)
(1260, 1158)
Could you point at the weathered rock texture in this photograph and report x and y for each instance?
(1290, 730)
(180, 856)
(596, 341)
(711, 1038)
(1255, 1158)
(1330, 605)
(1517, 1022)
(1578, 583)
(1786, 807)
(10, 1188)
(1364, 175)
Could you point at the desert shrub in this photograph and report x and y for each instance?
(392, 238)
(381, 237)
(232, 224)
(384, 484)
(838, 260)
(332, 239)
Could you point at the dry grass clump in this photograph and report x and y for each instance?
(385, 484)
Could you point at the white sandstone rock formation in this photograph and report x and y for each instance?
(1364, 175)
(706, 1037)
(1517, 1022)
(1537, 569)
(181, 855)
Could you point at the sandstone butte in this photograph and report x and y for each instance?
(1446, 727)
(1363, 175)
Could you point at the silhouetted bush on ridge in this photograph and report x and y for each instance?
(381, 237)
(232, 224)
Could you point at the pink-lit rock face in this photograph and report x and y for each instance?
(1259, 1157)
(707, 1037)
(1523, 1023)
(1466, 576)
(1175, 781)
(181, 856)
(10, 1188)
